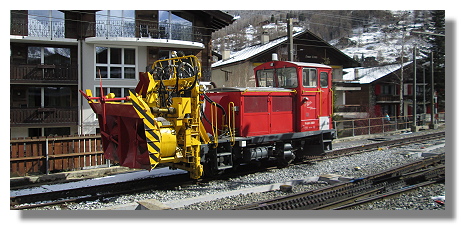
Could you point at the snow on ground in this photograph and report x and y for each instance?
(386, 47)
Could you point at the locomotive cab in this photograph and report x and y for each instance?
(313, 90)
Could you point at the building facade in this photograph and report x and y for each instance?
(375, 91)
(56, 53)
(236, 68)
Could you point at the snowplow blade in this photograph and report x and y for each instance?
(122, 134)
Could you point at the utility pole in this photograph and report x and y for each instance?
(413, 127)
(432, 125)
(290, 28)
(401, 74)
(433, 97)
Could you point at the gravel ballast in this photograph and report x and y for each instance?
(352, 166)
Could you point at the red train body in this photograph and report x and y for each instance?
(287, 102)
(287, 115)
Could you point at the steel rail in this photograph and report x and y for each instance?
(358, 202)
(374, 146)
(371, 185)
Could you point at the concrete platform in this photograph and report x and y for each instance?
(68, 176)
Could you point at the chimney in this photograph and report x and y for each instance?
(356, 73)
(225, 54)
(264, 37)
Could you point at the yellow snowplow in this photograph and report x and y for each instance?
(159, 122)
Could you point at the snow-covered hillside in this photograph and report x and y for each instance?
(384, 42)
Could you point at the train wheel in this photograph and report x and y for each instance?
(286, 156)
(287, 159)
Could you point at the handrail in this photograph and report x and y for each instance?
(364, 126)
(214, 123)
(231, 122)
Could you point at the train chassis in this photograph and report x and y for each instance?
(281, 149)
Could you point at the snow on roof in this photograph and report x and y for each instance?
(251, 51)
(368, 75)
(306, 64)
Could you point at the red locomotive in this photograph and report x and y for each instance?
(287, 115)
(171, 120)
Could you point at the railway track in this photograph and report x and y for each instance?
(357, 191)
(381, 143)
(169, 182)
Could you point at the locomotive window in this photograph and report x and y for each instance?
(287, 77)
(265, 77)
(324, 80)
(309, 77)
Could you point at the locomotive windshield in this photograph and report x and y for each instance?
(265, 77)
(309, 77)
(281, 77)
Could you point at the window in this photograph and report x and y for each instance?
(118, 91)
(53, 131)
(34, 132)
(35, 97)
(174, 27)
(287, 77)
(265, 78)
(57, 97)
(49, 97)
(309, 77)
(115, 63)
(387, 89)
(49, 55)
(324, 80)
(57, 131)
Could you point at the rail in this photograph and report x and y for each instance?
(160, 30)
(367, 126)
(27, 116)
(44, 73)
(335, 196)
(44, 155)
(109, 28)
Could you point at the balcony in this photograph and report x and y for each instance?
(117, 28)
(119, 32)
(388, 99)
(34, 116)
(146, 34)
(42, 73)
(129, 29)
(38, 28)
(351, 111)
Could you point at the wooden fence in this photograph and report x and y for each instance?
(44, 155)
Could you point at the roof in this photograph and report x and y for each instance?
(255, 50)
(305, 64)
(368, 75)
(250, 52)
(219, 19)
(248, 89)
